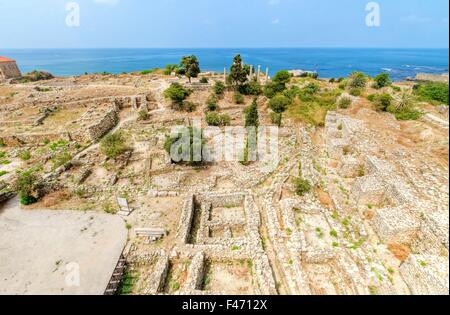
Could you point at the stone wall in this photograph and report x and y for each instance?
(9, 70)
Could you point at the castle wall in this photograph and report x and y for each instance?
(9, 70)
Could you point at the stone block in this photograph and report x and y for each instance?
(426, 274)
(368, 190)
(396, 225)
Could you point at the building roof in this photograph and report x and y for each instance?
(4, 59)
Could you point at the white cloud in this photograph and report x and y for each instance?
(273, 2)
(275, 21)
(107, 2)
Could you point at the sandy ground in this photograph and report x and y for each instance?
(41, 251)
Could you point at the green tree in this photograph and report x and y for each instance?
(382, 80)
(238, 72)
(190, 67)
(26, 186)
(251, 115)
(281, 78)
(177, 93)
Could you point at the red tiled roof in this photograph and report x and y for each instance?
(4, 59)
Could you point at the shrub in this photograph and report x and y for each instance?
(2, 143)
(432, 91)
(170, 68)
(171, 140)
(57, 145)
(371, 97)
(311, 88)
(212, 103)
(279, 103)
(332, 80)
(113, 145)
(343, 84)
(26, 184)
(204, 80)
(3, 173)
(269, 90)
(177, 93)
(60, 159)
(382, 80)
(215, 119)
(251, 88)
(238, 98)
(396, 88)
(281, 78)
(302, 186)
(345, 102)
(25, 155)
(143, 114)
(190, 106)
(355, 92)
(357, 80)
(276, 119)
(219, 88)
(34, 76)
(251, 115)
(382, 102)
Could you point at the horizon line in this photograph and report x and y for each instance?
(243, 47)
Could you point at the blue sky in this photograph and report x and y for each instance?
(223, 23)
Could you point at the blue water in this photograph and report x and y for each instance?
(401, 63)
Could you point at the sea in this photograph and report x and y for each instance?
(328, 62)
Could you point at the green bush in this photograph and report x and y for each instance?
(177, 93)
(279, 103)
(204, 80)
(25, 155)
(3, 173)
(215, 119)
(60, 144)
(171, 140)
(270, 90)
(143, 114)
(2, 143)
(343, 83)
(357, 80)
(190, 107)
(113, 145)
(382, 102)
(355, 92)
(169, 69)
(311, 88)
(276, 119)
(212, 103)
(432, 92)
(251, 88)
(26, 184)
(302, 186)
(251, 115)
(61, 158)
(345, 102)
(382, 80)
(238, 98)
(219, 88)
